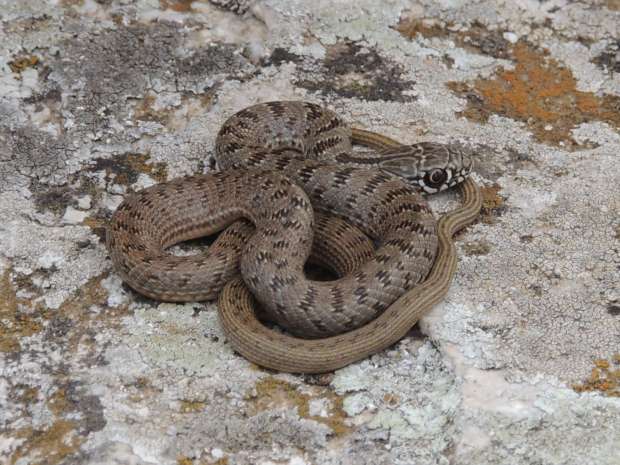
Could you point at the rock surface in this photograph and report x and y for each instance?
(519, 365)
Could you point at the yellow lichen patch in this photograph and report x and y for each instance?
(139, 162)
(141, 389)
(26, 395)
(613, 5)
(192, 406)
(72, 2)
(181, 6)
(391, 399)
(50, 446)
(481, 247)
(492, 203)
(21, 63)
(604, 378)
(272, 392)
(540, 92)
(14, 324)
(75, 309)
(58, 403)
(183, 460)
(94, 223)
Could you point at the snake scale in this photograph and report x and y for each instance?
(289, 179)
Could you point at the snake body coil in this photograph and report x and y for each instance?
(280, 159)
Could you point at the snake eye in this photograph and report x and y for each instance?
(435, 178)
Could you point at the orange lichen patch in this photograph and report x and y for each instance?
(192, 105)
(271, 392)
(21, 63)
(174, 118)
(145, 111)
(412, 27)
(541, 93)
(181, 6)
(604, 378)
(50, 446)
(126, 168)
(14, 324)
(475, 37)
(492, 203)
(391, 399)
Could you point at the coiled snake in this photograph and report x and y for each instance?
(281, 161)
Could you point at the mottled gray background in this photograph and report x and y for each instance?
(519, 365)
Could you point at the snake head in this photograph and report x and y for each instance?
(429, 166)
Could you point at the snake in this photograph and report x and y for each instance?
(290, 188)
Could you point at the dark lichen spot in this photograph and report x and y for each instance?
(352, 70)
(609, 59)
(121, 64)
(127, 167)
(54, 199)
(281, 55)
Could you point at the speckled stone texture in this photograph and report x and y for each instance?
(519, 365)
